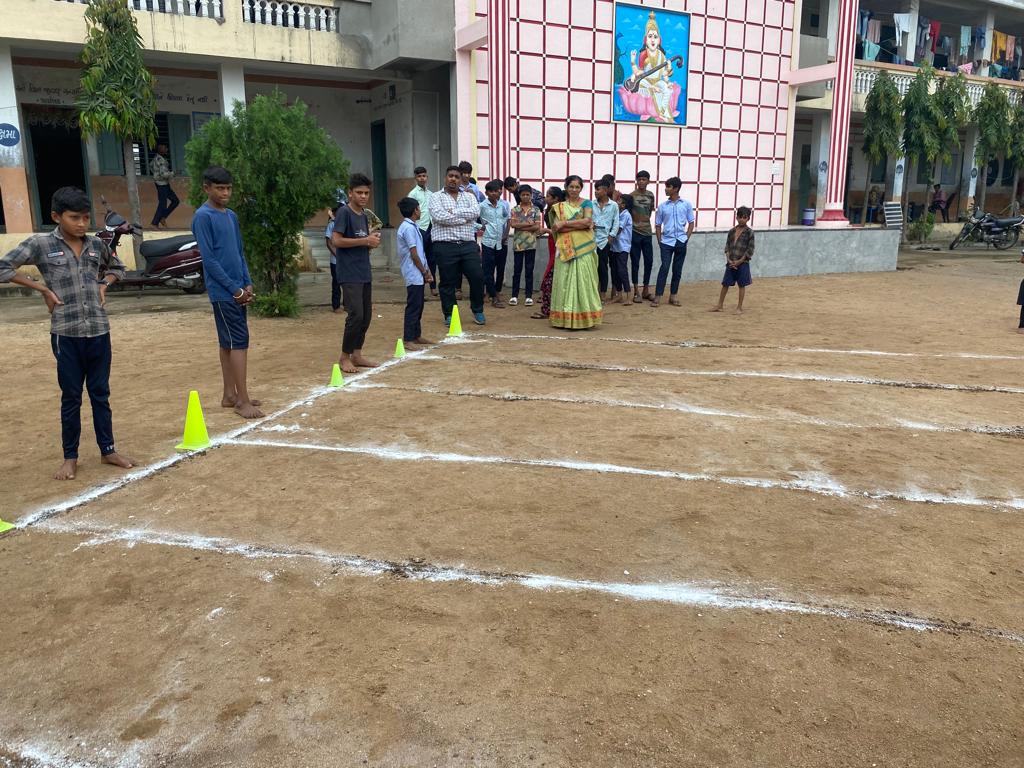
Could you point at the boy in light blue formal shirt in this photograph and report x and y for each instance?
(673, 224)
(621, 247)
(494, 216)
(414, 269)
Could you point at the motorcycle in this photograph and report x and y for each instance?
(170, 262)
(986, 228)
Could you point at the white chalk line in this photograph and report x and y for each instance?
(697, 410)
(692, 594)
(819, 484)
(791, 376)
(99, 491)
(697, 344)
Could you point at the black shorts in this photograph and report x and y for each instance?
(740, 276)
(232, 325)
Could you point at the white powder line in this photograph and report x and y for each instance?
(697, 344)
(792, 376)
(680, 407)
(826, 487)
(692, 594)
(34, 755)
(148, 471)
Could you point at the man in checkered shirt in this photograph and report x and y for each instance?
(78, 268)
(453, 220)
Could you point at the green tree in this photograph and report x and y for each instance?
(883, 125)
(117, 89)
(921, 142)
(1016, 147)
(953, 107)
(286, 168)
(995, 134)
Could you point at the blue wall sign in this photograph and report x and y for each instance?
(9, 135)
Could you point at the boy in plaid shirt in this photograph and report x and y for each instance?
(78, 269)
(739, 250)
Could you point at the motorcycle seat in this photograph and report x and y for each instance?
(152, 249)
(1010, 222)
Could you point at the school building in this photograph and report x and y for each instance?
(750, 102)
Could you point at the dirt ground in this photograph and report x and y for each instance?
(682, 539)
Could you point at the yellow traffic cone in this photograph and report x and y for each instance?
(196, 437)
(337, 380)
(455, 329)
(5, 526)
(400, 349)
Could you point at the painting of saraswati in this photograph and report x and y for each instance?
(651, 87)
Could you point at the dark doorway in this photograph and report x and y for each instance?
(379, 158)
(57, 159)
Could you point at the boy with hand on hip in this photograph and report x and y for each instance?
(229, 286)
(494, 215)
(414, 270)
(78, 268)
(353, 240)
(739, 250)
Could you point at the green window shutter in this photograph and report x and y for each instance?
(179, 130)
(111, 157)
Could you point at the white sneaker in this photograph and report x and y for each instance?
(529, 302)
(513, 301)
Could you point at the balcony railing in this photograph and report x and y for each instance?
(210, 9)
(320, 18)
(865, 75)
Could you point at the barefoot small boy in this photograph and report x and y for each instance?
(739, 250)
(78, 268)
(229, 286)
(414, 269)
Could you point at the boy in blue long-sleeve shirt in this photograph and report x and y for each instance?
(621, 246)
(229, 286)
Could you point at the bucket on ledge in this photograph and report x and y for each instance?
(807, 218)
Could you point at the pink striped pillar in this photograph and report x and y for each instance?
(842, 97)
(498, 90)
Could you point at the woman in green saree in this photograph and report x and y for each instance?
(575, 300)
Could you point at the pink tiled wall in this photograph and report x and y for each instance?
(554, 115)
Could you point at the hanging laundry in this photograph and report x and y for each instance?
(902, 22)
(946, 45)
(998, 46)
(967, 68)
(965, 40)
(862, 25)
(870, 50)
(874, 31)
(1011, 48)
(933, 33)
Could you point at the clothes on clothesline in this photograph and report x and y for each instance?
(874, 34)
(998, 46)
(902, 22)
(862, 23)
(967, 68)
(871, 50)
(965, 40)
(933, 33)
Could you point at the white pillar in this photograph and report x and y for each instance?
(13, 179)
(907, 49)
(232, 86)
(990, 25)
(898, 176)
(831, 14)
(970, 171)
(820, 129)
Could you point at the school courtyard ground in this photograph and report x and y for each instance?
(791, 538)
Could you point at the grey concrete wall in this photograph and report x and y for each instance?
(412, 30)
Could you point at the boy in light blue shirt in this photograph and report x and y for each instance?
(606, 227)
(494, 216)
(673, 223)
(414, 270)
(621, 247)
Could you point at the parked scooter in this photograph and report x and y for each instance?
(171, 262)
(986, 228)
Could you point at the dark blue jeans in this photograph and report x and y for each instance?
(671, 256)
(413, 312)
(488, 258)
(642, 246)
(603, 264)
(335, 288)
(522, 259)
(167, 201)
(83, 361)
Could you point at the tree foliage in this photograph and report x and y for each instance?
(995, 132)
(117, 89)
(883, 119)
(921, 142)
(286, 168)
(953, 109)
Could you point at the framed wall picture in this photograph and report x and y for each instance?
(650, 65)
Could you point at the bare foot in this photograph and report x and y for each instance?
(647, 295)
(229, 402)
(338, 311)
(625, 300)
(1020, 330)
(117, 460)
(674, 301)
(739, 310)
(716, 309)
(362, 362)
(348, 366)
(67, 470)
(655, 302)
(423, 341)
(248, 411)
